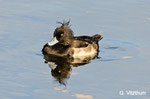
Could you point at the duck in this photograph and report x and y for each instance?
(65, 44)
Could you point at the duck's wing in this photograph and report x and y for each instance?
(84, 39)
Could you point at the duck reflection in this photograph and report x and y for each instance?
(61, 66)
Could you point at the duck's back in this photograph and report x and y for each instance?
(90, 39)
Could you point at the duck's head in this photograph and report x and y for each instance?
(62, 34)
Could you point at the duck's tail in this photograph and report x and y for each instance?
(97, 37)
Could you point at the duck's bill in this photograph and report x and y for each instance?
(53, 42)
(52, 65)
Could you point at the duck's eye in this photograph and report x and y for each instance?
(61, 34)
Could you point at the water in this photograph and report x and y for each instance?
(26, 25)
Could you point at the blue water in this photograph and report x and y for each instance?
(26, 25)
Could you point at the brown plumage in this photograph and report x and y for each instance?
(65, 44)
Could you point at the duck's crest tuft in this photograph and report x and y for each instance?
(64, 23)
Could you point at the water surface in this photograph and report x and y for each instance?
(26, 25)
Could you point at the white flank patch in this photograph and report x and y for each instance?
(52, 65)
(83, 53)
(53, 42)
